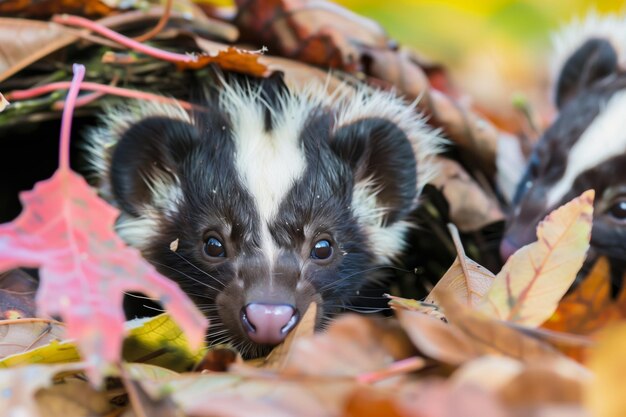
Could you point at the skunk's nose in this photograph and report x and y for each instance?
(268, 324)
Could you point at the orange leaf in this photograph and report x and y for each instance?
(231, 59)
(536, 277)
(605, 397)
(589, 307)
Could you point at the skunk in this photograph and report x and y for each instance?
(585, 147)
(265, 199)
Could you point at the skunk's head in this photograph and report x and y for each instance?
(275, 199)
(585, 148)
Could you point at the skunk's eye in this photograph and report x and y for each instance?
(322, 250)
(618, 210)
(214, 248)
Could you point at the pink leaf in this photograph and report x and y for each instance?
(85, 268)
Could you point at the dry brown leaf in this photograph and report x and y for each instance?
(471, 208)
(399, 303)
(46, 8)
(230, 59)
(279, 357)
(465, 279)
(605, 397)
(21, 335)
(532, 282)
(23, 42)
(351, 346)
(229, 395)
(75, 398)
(493, 337)
(19, 385)
(4, 103)
(437, 339)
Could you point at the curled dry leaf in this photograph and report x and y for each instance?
(437, 339)
(465, 279)
(46, 8)
(471, 208)
(230, 59)
(536, 277)
(399, 303)
(490, 336)
(23, 42)
(19, 336)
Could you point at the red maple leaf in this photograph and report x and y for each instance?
(67, 231)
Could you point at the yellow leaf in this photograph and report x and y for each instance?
(536, 277)
(466, 279)
(159, 341)
(605, 396)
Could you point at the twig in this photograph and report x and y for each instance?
(165, 17)
(397, 368)
(122, 40)
(90, 86)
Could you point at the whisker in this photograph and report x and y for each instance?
(188, 276)
(199, 269)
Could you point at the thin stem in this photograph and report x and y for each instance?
(90, 86)
(121, 39)
(66, 120)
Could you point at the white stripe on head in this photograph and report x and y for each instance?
(567, 40)
(603, 139)
(270, 162)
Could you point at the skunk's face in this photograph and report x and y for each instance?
(274, 200)
(584, 149)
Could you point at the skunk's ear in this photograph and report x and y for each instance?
(593, 61)
(383, 163)
(145, 162)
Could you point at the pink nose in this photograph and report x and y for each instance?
(507, 248)
(268, 324)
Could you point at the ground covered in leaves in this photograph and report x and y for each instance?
(521, 342)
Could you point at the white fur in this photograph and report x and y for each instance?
(390, 240)
(603, 139)
(611, 27)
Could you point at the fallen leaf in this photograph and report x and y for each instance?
(67, 232)
(46, 8)
(73, 397)
(471, 208)
(278, 358)
(437, 339)
(490, 336)
(23, 42)
(534, 279)
(352, 345)
(159, 341)
(604, 396)
(399, 303)
(18, 387)
(230, 395)
(22, 335)
(466, 279)
(230, 59)
(589, 306)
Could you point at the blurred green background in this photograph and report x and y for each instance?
(495, 50)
